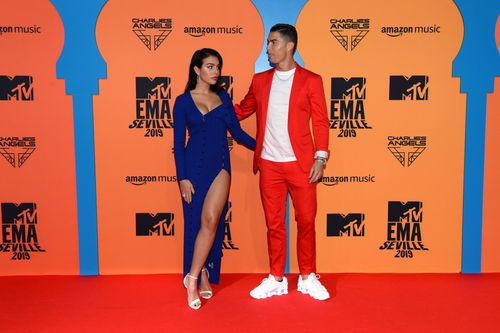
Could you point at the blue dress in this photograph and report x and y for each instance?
(200, 160)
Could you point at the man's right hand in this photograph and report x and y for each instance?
(187, 190)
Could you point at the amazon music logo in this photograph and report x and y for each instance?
(16, 88)
(194, 31)
(19, 230)
(160, 224)
(140, 180)
(152, 106)
(398, 31)
(404, 229)
(349, 32)
(17, 150)
(350, 225)
(227, 242)
(20, 29)
(413, 88)
(152, 31)
(347, 106)
(337, 180)
(406, 149)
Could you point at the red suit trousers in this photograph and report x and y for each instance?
(276, 180)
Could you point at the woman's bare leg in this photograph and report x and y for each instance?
(210, 215)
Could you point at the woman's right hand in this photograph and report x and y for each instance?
(187, 190)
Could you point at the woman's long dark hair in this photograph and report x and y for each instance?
(197, 60)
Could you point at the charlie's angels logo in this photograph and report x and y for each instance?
(19, 233)
(347, 105)
(16, 88)
(17, 150)
(349, 32)
(404, 228)
(161, 224)
(406, 149)
(152, 30)
(350, 225)
(227, 242)
(152, 106)
(414, 88)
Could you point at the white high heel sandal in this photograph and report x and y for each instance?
(195, 304)
(206, 294)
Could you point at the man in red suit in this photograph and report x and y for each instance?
(286, 98)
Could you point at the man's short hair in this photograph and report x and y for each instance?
(288, 32)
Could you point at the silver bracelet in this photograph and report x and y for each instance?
(322, 160)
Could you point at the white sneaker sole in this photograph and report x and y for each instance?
(278, 292)
(306, 292)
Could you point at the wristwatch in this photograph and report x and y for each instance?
(322, 160)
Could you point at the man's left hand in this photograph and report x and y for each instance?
(316, 172)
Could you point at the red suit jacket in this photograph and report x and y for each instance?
(307, 100)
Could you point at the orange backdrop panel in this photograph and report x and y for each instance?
(363, 43)
(491, 227)
(39, 117)
(160, 46)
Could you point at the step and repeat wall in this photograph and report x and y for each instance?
(392, 193)
(39, 232)
(491, 227)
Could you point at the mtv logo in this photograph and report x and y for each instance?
(230, 143)
(160, 224)
(404, 212)
(17, 88)
(350, 225)
(408, 87)
(153, 88)
(227, 84)
(23, 213)
(348, 88)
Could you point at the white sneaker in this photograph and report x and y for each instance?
(313, 287)
(270, 287)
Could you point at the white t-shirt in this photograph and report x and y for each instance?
(277, 146)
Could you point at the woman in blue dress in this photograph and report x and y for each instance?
(204, 170)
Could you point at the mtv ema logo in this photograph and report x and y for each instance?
(406, 149)
(17, 150)
(413, 88)
(227, 242)
(152, 107)
(161, 224)
(16, 88)
(227, 84)
(349, 32)
(19, 233)
(404, 228)
(152, 29)
(347, 105)
(350, 225)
